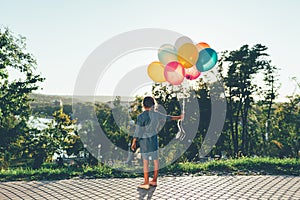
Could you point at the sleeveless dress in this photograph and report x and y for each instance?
(148, 125)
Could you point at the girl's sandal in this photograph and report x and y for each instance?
(153, 183)
(144, 186)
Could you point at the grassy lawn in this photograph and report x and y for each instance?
(242, 166)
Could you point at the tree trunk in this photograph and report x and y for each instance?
(245, 142)
(236, 127)
(231, 112)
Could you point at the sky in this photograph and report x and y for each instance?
(62, 34)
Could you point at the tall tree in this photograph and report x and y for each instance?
(243, 66)
(269, 94)
(14, 93)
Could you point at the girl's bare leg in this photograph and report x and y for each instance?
(146, 171)
(155, 174)
(153, 182)
(145, 185)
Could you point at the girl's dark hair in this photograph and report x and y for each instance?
(148, 102)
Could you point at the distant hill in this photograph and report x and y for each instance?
(43, 99)
(45, 105)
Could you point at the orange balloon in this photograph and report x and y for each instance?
(156, 72)
(188, 55)
(202, 45)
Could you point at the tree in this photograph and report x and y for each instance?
(167, 96)
(59, 137)
(14, 94)
(243, 67)
(286, 128)
(269, 93)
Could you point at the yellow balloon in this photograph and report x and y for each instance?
(156, 72)
(188, 55)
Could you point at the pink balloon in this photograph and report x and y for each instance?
(174, 73)
(192, 73)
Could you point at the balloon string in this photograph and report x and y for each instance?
(181, 133)
(179, 126)
(183, 107)
(179, 122)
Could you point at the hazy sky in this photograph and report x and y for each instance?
(61, 34)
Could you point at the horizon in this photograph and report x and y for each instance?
(108, 98)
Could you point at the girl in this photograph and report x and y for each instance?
(146, 132)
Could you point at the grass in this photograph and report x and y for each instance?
(242, 166)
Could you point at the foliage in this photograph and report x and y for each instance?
(58, 138)
(166, 96)
(244, 66)
(285, 129)
(14, 94)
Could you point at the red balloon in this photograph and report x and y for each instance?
(192, 73)
(174, 73)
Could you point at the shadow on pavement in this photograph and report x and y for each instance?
(146, 194)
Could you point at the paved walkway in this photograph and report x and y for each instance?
(201, 187)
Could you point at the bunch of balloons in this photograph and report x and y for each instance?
(183, 60)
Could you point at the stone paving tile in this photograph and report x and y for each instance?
(201, 187)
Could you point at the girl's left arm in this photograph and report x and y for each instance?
(179, 117)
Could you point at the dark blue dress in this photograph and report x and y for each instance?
(148, 125)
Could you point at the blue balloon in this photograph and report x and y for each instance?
(207, 59)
